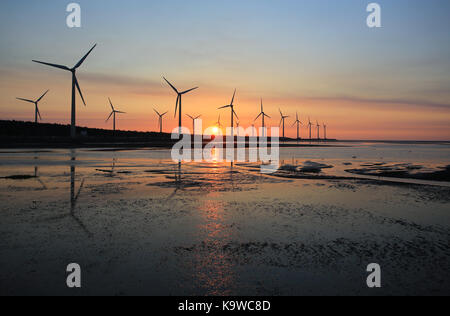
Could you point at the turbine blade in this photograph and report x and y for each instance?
(187, 91)
(157, 112)
(232, 100)
(198, 117)
(267, 116)
(52, 65)
(42, 96)
(120, 112)
(79, 90)
(175, 89)
(84, 58)
(109, 116)
(235, 114)
(164, 113)
(258, 116)
(224, 107)
(38, 112)
(110, 103)
(26, 100)
(190, 116)
(176, 106)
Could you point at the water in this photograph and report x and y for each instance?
(138, 223)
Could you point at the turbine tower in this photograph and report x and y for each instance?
(283, 118)
(233, 113)
(298, 122)
(179, 96)
(36, 107)
(160, 120)
(263, 115)
(74, 85)
(113, 113)
(193, 122)
(325, 131)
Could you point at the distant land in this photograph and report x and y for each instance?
(19, 134)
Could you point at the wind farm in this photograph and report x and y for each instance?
(235, 122)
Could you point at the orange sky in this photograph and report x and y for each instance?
(346, 118)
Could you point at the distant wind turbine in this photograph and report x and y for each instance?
(218, 122)
(325, 131)
(36, 107)
(113, 113)
(318, 130)
(263, 115)
(193, 122)
(298, 122)
(179, 96)
(283, 118)
(160, 120)
(310, 127)
(74, 85)
(233, 113)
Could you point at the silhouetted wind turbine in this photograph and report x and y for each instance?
(310, 127)
(263, 115)
(160, 120)
(325, 131)
(238, 124)
(318, 130)
(193, 122)
(113, 113)
(283, 118)
(179, 96)
(233, 113)
(298, 122)
(218, 122)
(74, 84)
(36, 108)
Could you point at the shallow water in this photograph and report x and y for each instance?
(138, 223)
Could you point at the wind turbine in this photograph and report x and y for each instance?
(74, 84)
(318, 130)
(218, 122)
(179, 96)
(193, 122)
(160, 120)
(36, 108)
(283, 118)
(233, 113)
(325, 131)
(113, 113)
(298, 122)
(263, 115)
(310, 127)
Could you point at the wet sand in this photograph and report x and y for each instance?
(138, 223)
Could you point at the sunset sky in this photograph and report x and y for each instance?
(316, 57)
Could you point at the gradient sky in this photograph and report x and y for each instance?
(314, 56)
